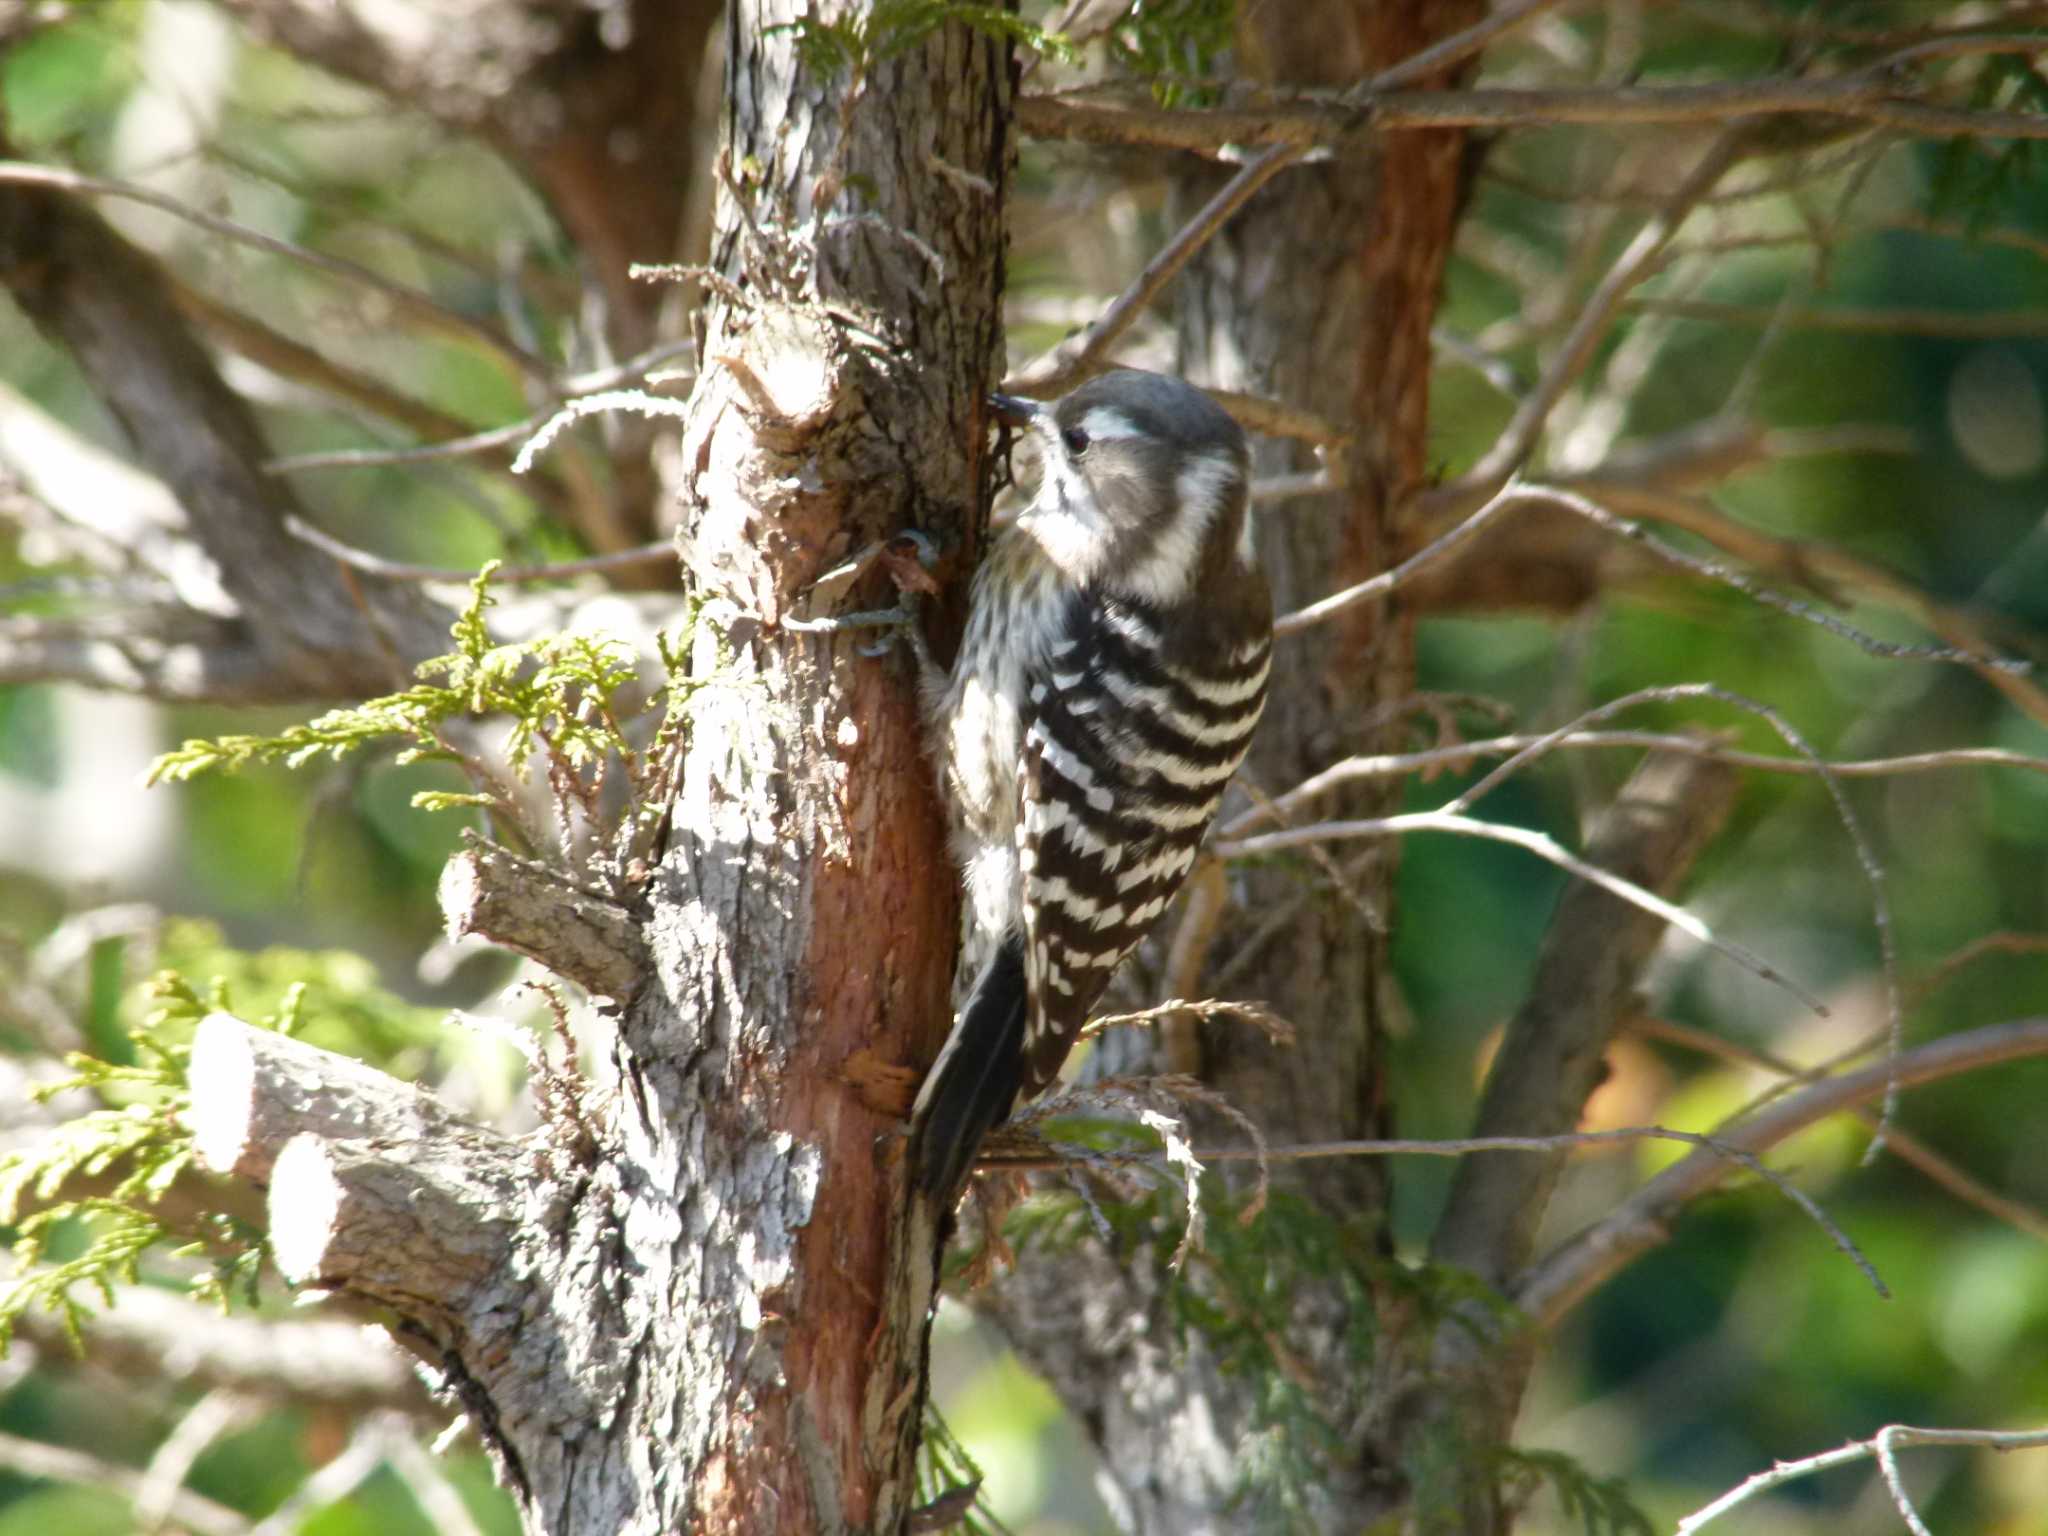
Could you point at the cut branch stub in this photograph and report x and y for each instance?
(423, 1227)
(587, 939)
(253, 1090)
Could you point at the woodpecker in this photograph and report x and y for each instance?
(1112, 672)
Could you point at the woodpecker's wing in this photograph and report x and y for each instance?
(1126, 757)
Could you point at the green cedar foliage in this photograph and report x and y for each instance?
(85, 1203)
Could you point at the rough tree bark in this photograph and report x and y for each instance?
(696, 1303)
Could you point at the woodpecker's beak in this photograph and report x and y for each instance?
(1013, 410)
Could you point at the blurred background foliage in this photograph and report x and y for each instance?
(1745, 1339)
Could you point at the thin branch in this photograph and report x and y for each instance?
(1879, 1446)
(107, 301)
(417, 453)
(1866, 855)
(636, 368)
(1268, 489)
(308, 366)
(62, 1464)
(319, 1361)
(171, 654)
(1971, 953)
(1544, 848)
(1636, 262)
(1433, 760)
(212, 1416)
(1275, 418)
(1987, 325)
(333, 1482)
(1077, 357)
(1989, 666)
(1374, 588)
(1301, 1152)
(2008, 675)
(1552, 1053)
(1589, 1258)
(1446, 51)
(411, 300)
(1903, 1144)
(1259, 1015)
(571, 411)
(1310, 119)
(438, 1498)
(398, 570)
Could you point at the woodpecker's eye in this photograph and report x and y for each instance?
(1076, 441)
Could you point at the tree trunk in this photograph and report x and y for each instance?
(702, 1302)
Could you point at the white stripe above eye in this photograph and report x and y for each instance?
(1104, 423)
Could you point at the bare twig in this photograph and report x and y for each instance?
(1277, 419)
(1374, 588)
(309, 366)
(1586, 1260)
(1259, 1015)
(212, 1416)
(158, 653)
(1445, 52)
(1320, 118)
(1987, 325)
(1903, 1144)
(62, 1464)
(2008, 675)
(366, 1451)
(491, 438)
(398, 570)
(1394, 765)
(439, 1499)
(1866, 855)
(572, 411)
(1074, 359)
(21, 173)
(1971, 953)
(1879, 1446)
(162, 1335)
(1637, 260)
(1584, 506)
(1298, 1152)
(1540, 845)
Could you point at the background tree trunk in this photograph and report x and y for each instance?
(1319, 295)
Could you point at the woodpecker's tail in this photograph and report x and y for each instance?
(972, 1085)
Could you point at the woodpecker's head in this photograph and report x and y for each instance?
(1143, 487)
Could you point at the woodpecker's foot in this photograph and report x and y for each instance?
(908, 559)
(886, 1087)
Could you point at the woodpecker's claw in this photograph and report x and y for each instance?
(893, 553)
(908, 559)
(904, 621)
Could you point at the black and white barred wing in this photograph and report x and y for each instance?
(1125, 762)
